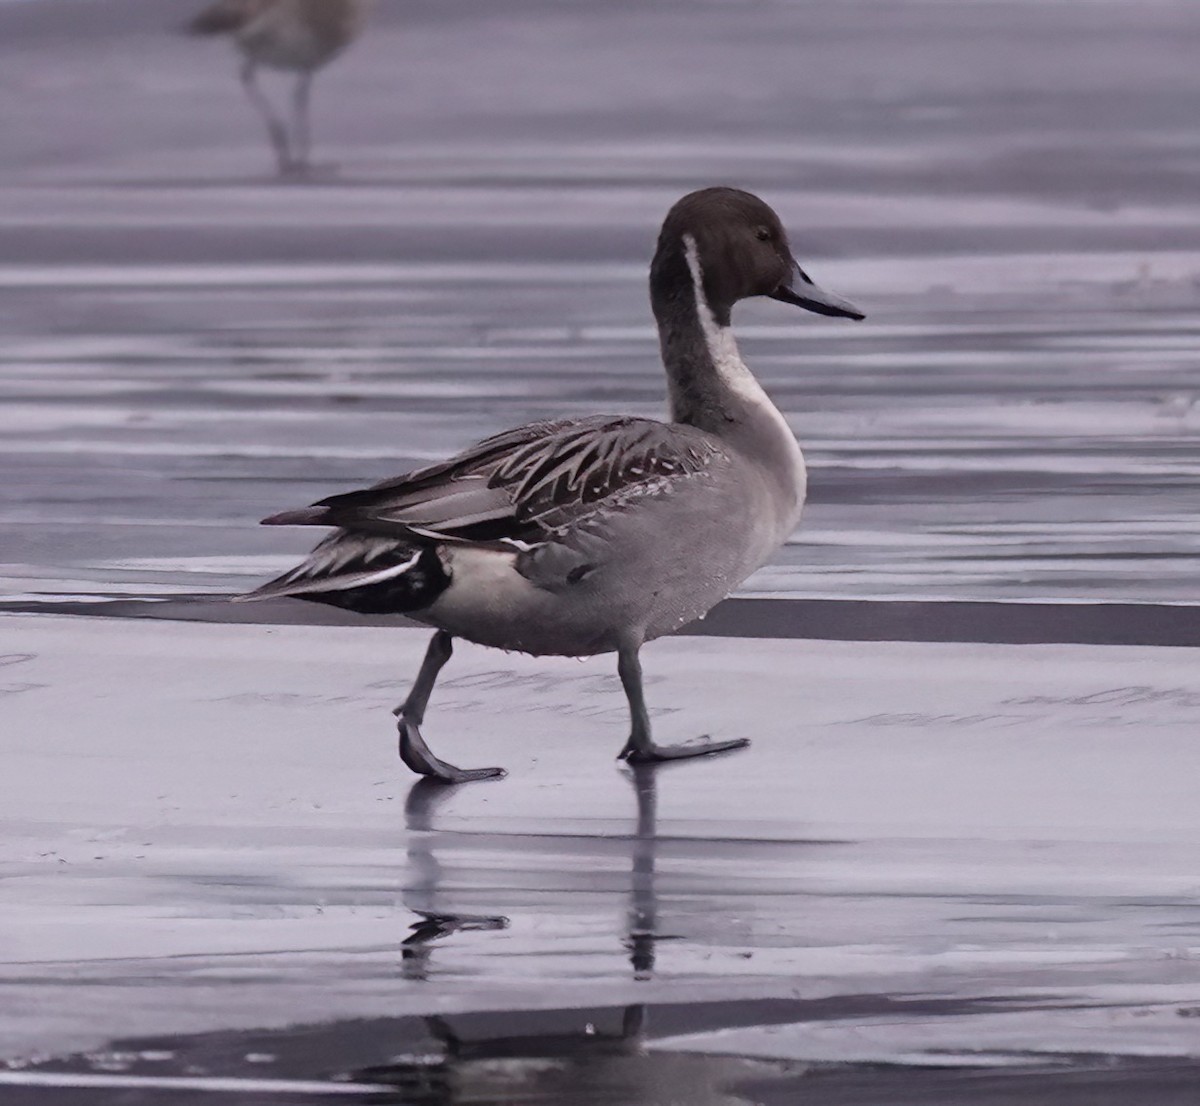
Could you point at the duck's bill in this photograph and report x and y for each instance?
(804, 293)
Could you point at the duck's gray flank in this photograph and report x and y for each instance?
(582, 536)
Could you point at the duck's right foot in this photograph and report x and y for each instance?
(418, 756)
(636, 752)
(433, 926)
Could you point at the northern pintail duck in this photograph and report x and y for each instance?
(295, 35)
(578, 536)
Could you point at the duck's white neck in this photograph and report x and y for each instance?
(733, 376)
(710, 386)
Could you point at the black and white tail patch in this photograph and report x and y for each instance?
(364, 573)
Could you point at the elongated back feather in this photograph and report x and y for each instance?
(521, 484)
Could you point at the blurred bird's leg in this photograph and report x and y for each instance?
(276, 130)
(301, 123)
(413, 750)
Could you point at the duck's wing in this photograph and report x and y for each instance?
(524, 484)
(556, 482)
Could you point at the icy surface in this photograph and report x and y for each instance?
(210, 823)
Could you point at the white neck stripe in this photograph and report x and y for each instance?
(719, 340)
(722, 348)
(740, 383)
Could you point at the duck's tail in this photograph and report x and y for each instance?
(300, 516)
(367, 573)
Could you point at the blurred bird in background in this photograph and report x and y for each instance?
(299, 36)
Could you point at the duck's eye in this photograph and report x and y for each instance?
(763, 234)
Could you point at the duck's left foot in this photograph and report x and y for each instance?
(418, 756)
(649, 753)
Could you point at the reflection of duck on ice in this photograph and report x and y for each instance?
(599, 1060)
(425, 873)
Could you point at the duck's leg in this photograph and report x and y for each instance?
(301, 126)
(640, 748)
(413, 750)
(276, 130)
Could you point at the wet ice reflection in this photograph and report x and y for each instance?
(426, 896)
(585, 1056)
(423, 882)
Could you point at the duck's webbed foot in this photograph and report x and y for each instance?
(640, 748)
(419, 757)
(411, 713)
(431, 927)
(646, 752)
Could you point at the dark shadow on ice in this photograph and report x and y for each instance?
(1004, 623)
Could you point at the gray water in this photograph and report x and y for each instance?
(1007, 188)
